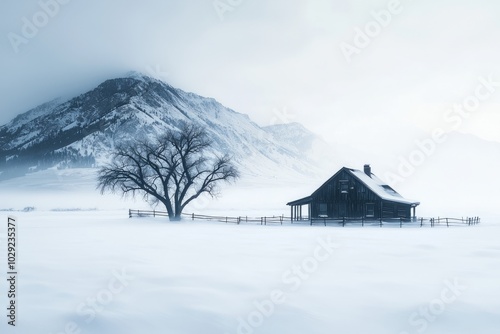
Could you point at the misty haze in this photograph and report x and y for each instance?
(225, 166)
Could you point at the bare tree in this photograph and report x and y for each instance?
(175, 169)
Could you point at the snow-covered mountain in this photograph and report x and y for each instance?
(83, 130)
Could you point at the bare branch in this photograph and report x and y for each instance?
(173, 170)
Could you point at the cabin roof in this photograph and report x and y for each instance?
(379, 187)
(372, 182)
(302, 201)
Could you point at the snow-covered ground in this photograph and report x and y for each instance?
(97, 271)
(100, 272)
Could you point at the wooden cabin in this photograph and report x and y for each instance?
(352, 193)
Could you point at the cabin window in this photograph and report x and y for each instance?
(323, 209)
(401, 212)
(370, 210)
(344, 187)
(389, 190)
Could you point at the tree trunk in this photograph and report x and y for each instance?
(175, 218)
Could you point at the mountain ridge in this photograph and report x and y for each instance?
(82, 130)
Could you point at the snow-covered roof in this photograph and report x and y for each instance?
(379, 187)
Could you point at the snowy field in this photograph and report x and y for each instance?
(100, 272)
(85, 267)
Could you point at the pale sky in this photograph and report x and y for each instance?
(277, 61)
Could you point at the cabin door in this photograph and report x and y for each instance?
(342, 212)
(370, 210)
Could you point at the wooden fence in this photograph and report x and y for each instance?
(265, 220)
(146, 213)
(240, 219)
(224, 219)
(421, 221)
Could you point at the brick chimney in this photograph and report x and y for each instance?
(368, 170)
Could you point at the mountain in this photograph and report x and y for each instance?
(82, 131)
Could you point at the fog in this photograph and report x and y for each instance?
(350, 71)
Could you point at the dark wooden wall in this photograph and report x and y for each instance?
(346, 196)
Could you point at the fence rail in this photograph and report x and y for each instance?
(265, 220)
(224, 219)
(146, 213)
(421, 221)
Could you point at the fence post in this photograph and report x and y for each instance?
(380, 221)
(343, 221)
(129, 213)
(447, 225)
(192, 216)
(400, 222)
(238, 222)
(362, 221)
(265, 220)
(421, 221)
